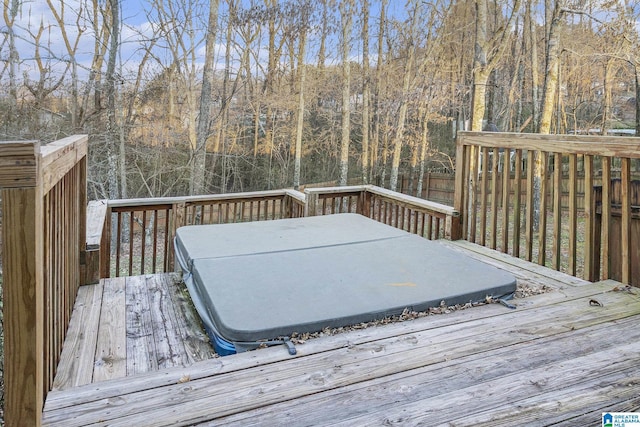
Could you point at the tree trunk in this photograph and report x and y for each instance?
(204, 117)
(375, 144)
(10, 16)
(552, 71)
(481, 68)
(606, 107)
(424, 147)
(404, 101)
(345, 13)
(548, 101)
(300, 122)
(112, 133)
(637, 80)
(366, 92)
(535, 78)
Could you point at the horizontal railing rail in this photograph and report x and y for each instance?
(567, 239)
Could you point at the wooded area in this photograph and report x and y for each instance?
(196, 97)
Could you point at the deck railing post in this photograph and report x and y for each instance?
(22, 284)
(459, 192)
(178, 213)
(364, 203)
(312, 201)
(97, 245)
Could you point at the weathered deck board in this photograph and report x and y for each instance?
(518, 267)
(447, 376)
(128, 326)
(111, 349)
(141, 347)
(252, 388)
(246, 360)
(555, 358)
(170, 348)
(78, 353)
(188, 325)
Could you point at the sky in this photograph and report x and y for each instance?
(37, 13)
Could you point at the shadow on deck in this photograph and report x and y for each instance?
(564, 357)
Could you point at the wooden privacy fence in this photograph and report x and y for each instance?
(493, 216)
(44, 207)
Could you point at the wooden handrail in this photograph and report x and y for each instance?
(44, 217)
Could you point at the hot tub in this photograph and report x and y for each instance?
(257, 282)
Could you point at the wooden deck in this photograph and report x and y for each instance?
(562, 357)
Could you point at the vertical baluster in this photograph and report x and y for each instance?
(557, 210)
(517, 203)
(573, 214)
(542, 220)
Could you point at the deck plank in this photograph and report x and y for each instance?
(111, 348)
(248, 389)
(188, 325)
(242, 361)
(512, 264)
(447, 376)
(169, 347)
(140, 344)
(78, 352)
(486, 402)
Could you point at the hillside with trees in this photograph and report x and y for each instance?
(191, 97)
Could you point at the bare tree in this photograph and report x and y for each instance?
(346, 14)
(71, 46)
(204, 117)
(10, 12)
(554, 16)
(488, 51)
(380, 81)
(404, 96)
(303, 24)
(366, 92)
(112, 133)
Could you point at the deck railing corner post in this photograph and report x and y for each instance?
(311, 203)
(455, 227)
(23, 289)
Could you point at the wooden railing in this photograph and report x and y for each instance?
(564, 240)
(136, 235)
(427, 219)
(50, 246)
(131, 237)
(43, 202)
